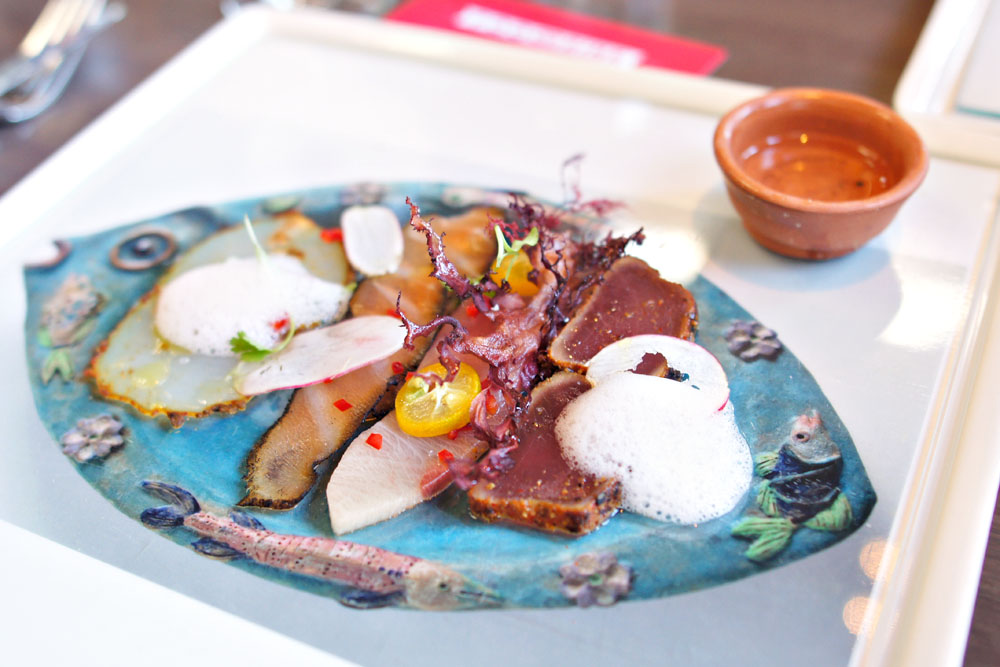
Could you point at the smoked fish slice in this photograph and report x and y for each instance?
(281, 467)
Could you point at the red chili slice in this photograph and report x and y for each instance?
(342, 405)
(444, 456)
(471, 310)
(374, 440)
(332, 235)
(398, 368)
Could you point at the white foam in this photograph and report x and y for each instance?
(204, 308)
(676, 460)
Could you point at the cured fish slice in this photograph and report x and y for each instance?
(631, 300)
(134, 365)
(371, 485)
(541, 490)
(321, 418)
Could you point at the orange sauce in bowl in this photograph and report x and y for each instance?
(818, 166)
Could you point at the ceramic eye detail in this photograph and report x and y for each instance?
(143, 250)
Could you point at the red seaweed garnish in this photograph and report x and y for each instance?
(523, 328)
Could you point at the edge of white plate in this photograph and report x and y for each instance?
(935, 502)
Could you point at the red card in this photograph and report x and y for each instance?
(564, 32)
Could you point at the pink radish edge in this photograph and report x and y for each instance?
(301, 356)
(626, 354)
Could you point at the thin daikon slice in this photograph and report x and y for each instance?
(703, 370)
(373, 239)
(323, 354)
(372, 485)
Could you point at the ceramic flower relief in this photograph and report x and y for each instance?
(144, 250)
(93, 437)
(67, 318)
(595, 578)
(752, 340)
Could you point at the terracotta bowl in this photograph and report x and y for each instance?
(816, 174)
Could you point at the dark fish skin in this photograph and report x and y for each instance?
(806, 477)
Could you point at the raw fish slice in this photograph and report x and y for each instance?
(281, 466)
(371, 485)
(541, 490)
(631, 300)
(373, 239)
(135, 366)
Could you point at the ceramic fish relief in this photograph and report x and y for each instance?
(79, 300)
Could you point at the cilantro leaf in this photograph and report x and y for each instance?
(247, 350)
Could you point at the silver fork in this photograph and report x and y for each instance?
(57, 19)
(67, 31)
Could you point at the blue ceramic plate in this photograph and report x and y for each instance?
(801, 500)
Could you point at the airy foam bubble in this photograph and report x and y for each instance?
(676, 460)
(202, 309)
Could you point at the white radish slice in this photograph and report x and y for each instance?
(373, 239)
(704, 371)
(371, 485)
(323, 354)
(676, 462)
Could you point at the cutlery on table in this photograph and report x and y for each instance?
(32, 79)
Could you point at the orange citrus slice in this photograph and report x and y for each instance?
(425, 412)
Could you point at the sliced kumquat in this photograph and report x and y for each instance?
(516, 269)
(425, 411)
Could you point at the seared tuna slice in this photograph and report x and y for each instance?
(540, 490)
(631, 300)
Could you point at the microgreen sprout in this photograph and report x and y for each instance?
(505, 249)
(258, 249)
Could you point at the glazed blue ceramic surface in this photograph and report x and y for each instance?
(206, 456)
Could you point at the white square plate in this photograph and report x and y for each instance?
(268, 102)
